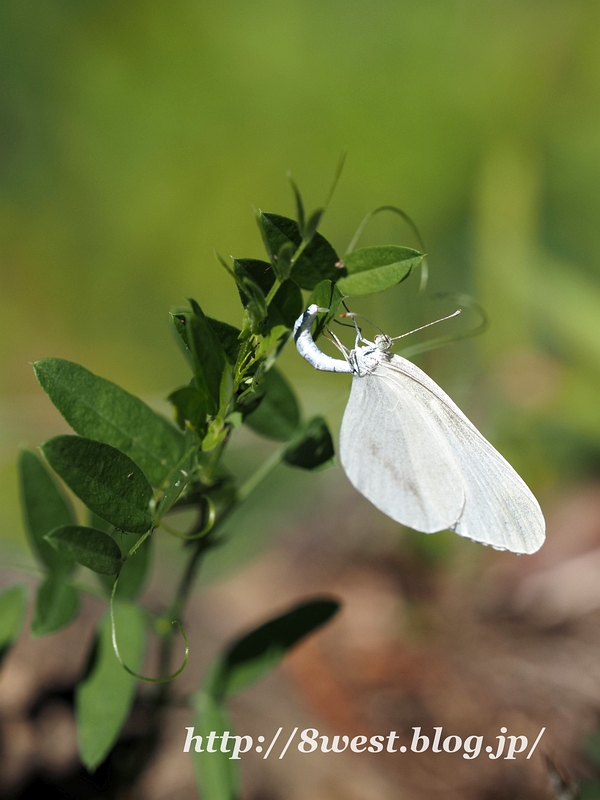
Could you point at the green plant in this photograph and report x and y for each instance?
(131, 468)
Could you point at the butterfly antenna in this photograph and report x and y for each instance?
(354, 314)
(334, 340)
(429, 324)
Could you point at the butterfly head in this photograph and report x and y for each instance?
(383, 342)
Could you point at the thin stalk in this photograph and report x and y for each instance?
(273, 291)
(190, 573)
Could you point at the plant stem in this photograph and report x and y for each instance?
(190, 573)
(273, 291)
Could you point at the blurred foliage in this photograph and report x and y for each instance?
(135, 137)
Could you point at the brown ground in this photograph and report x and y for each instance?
(471, 642)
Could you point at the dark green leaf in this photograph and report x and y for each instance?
(104, 698)
(299, 204)
(251, 276)
(259, 272)
(325, 295)
(88, 546)
(253, 655)
(285, 307)
(180, 324)
(229, 336)
(313, 223)
(44, 507)
(56, 605)
(209, 356)
(374, 269)
(312, 448)
(217, 775)
(191, 405)
(287, 303)
(101, 410)
(278, 415)
(13, 604)
(318, 260)
(107, 481)
(134, 572)
(178, 480)
(282, 261)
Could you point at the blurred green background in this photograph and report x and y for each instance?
(136, 137)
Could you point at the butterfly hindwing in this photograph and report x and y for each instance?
(394, 453)
(500, 510)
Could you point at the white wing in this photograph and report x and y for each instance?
(498, 508)
(394, 452)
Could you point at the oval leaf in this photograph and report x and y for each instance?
(374, 269)
(13, 604)
(312, 448)
(190, 405)
(104, 698)
(179, 478)
(44, 507)
(285, 307)
(256, 653)
(209, 357)
(318, 260)
(101, 410)
(278, 415)
(135, 570)
(56, 605)
(228, 335)
(107, 481)
(88, 546)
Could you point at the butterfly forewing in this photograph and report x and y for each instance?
(500, 510)
(394, 452)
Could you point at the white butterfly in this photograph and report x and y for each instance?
(410, 450)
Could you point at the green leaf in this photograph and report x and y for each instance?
(374, 269)
(312, 448)
(313, 223)
(13, 605)
(282, 261)
(44, 507)
(272, 341)
(315, 264)
(191, 405)
(285, 307)
(254, 655)
(178, 480)
(88, 546)
(259, 272)
(179, 325)
(209, 356)
(326, 295)
(56, 605)
(107, 481)
(251, 276)
(229, 336)
(278, 415)
(99, 409)
(299, 204)
(103, 700)
(217, 775)
(135, 570)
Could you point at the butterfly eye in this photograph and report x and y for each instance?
(383, 342)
